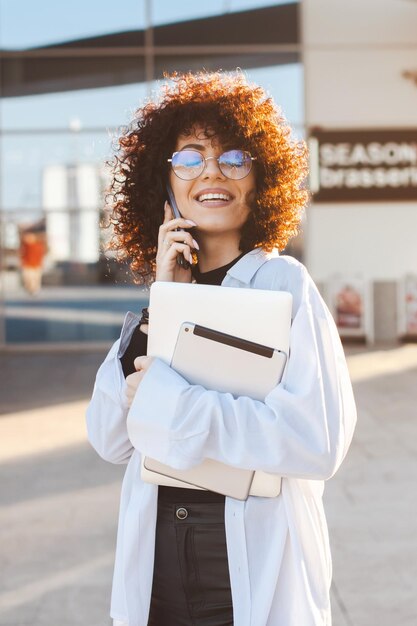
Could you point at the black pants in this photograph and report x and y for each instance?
(191, 585)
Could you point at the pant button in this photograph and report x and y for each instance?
(181, 513)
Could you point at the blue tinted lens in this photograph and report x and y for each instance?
(234, 158)
(187, 163)
(235, 163)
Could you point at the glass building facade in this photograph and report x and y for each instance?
(71, 74)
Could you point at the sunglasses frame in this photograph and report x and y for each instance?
(205, 159)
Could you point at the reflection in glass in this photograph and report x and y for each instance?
(59, 117)
(27, 76)
(169, 12)
(285, 83)
(94, 108)
(32, 154)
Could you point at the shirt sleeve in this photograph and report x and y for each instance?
(302, 429)
(107, 410)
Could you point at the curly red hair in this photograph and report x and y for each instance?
(239, 115)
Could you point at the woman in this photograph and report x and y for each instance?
(188, 556)
(32, 254)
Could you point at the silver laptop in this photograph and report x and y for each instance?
(258, 315)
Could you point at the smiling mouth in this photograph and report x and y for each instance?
(214, 197)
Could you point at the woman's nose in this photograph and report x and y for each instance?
(212, 169)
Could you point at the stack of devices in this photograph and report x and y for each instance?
(225, 339)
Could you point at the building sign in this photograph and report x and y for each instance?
(363, 165)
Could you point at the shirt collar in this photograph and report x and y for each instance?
(245, 269)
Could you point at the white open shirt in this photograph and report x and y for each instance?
(278, 548)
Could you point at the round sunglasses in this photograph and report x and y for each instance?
(189, 164)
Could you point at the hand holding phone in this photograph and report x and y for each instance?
(173, 204)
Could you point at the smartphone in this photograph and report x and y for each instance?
(173, 204)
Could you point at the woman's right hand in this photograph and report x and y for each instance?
(170, 243)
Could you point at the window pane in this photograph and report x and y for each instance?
(41, 75)
(268, 25)
(286, 86)
(26, 157)
(58, 116)
(54, 192)
(89, 108)
(169, 12)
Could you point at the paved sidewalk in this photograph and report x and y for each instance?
(59, 501)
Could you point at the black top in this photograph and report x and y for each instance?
(137, 347)
(213, 277)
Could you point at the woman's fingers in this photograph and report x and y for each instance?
(173, 238)
(169, 230)
(132, 384)
(172, 241)
(173, 225)
(170, 222)
(142, 362)
(179, 236)
(182, 248)
(173, 248)
(133, 380)
(170, 247)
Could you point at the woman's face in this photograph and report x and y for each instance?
(216, 215)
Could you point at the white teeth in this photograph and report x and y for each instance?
(213, 196)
